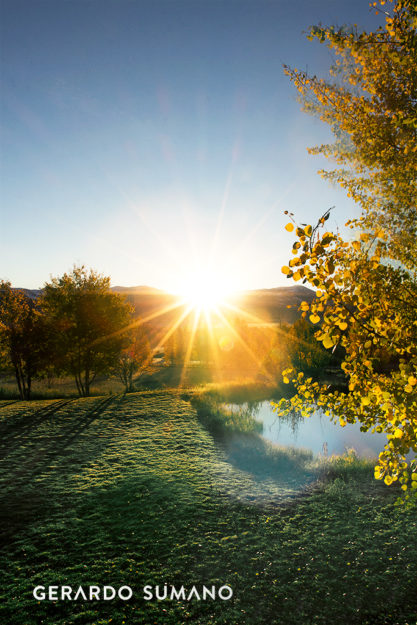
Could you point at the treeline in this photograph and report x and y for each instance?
(263, 351)
(77, 327)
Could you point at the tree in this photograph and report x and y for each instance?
(135, 357)
(22, 337)
(304, 352)
(88, 322)
(371, 107)
(367, 287)
(176, 344)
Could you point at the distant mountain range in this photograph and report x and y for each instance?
(277, 305)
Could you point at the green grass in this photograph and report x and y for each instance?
(134, 490)
(239, 391)
(59, 387)
(195, 378)
(220, 419)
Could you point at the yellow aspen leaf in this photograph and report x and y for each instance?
(289, 227)
(314, 318)
(286, 270)
(327, 341)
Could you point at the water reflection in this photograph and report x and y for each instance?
(316, 433)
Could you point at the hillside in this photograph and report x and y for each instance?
(277, 305)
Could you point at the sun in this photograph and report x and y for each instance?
(205, 290)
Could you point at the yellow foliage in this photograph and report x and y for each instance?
(368, 303)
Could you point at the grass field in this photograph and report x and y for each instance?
(133, 490)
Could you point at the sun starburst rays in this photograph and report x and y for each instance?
(190, 345)
(205, 273)
(246, 347)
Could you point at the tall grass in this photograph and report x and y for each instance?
(220, 419)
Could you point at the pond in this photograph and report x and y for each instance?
(316, 433)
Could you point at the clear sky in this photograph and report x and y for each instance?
(136, 133)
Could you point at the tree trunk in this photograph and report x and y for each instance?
(87, 383)
(18, 380)
(80, 386)
(28, 386)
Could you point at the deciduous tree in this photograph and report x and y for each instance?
(135, 357)
(89, 324)
(367, 287)
(22, 337)
(370, 104)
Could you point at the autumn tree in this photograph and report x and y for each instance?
(22, 337)
(135, 357)
(366, 287)
(370, 104)
(176, 344)
(304, 352)
(88, 322)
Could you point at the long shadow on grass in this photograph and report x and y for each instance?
(9, 403)
(19, 511)
(286, 466)
(27, 499)
(62, 440)
(15, 429)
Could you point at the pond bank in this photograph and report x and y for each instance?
(238, 432)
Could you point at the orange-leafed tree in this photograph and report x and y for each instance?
(23, 340)
(135, 357)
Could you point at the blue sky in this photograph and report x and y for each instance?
(135, 134)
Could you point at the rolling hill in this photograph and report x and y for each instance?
(276, 305)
